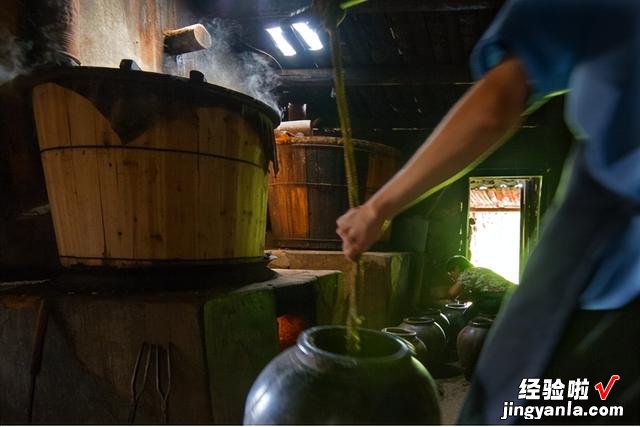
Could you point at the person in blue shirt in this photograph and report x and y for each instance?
(576, 313)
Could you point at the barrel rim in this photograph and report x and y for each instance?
(57, 74)
(336, 142)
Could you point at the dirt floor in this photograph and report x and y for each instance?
(454, 390)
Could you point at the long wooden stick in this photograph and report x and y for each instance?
(353, 320)
(345, 119)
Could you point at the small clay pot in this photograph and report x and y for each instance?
(411, 337)
(432, 335)
(470, 342)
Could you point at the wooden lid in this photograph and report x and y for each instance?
(172, 87)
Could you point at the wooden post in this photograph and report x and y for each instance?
(187, 39)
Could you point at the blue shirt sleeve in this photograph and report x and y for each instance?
(550, 37)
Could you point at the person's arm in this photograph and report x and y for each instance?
(455, 290)
(474, 127)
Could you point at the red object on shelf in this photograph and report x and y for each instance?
(289, 327)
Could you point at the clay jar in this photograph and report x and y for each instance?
(432, 335)
(438, 317)
(470, 341)
(318, 382)
(455, 313)
(411, 337)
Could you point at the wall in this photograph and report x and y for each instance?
(116, 29)
(437, 226)
(107, 30)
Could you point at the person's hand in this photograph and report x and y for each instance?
(359, 228)
(455, 290)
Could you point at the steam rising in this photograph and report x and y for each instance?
(13, 55)
(228, 62)
(225, 65)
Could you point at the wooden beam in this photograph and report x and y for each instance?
(379, 76)
(252, 10)
(398, 123)
(398, 6)
(411, 123)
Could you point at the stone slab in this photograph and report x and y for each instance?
(219, 340)
(387, 291)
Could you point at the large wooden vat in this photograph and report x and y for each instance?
(309, 192)
(147, 169)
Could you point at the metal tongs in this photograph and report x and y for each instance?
(162, 359)
(163, 392)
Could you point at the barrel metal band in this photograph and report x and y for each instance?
(165, 150)
(175, 261)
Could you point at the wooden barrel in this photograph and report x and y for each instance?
(309, 192)
(188, 188)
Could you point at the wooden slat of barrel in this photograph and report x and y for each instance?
(288, 202)
(57, 129)
(380, 169)
(325, 166)
(173, 194)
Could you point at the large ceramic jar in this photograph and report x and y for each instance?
(432, 335)
(470, 342)
(318, 382)
(438, 317)
(456, 314)
(411, 337)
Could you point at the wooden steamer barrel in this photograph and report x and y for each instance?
(309, 192)
(146, 169)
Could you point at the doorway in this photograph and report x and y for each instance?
(503, 219)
